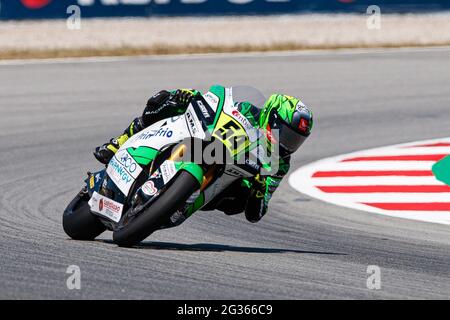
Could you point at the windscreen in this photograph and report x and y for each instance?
(248, 94)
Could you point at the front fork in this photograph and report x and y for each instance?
(161, 176)
(197, 199)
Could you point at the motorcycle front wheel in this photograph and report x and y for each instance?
(167, 203)
(78, 221)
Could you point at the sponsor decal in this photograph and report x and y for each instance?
(242, 120)
(203, 109)
(193, 126)
(156, 175)
(301, 107)
(117, 3)
(118, 171)
(161, 132)
(252, 164)
(123, 170)
(99, 8)
(233, 171)
(168, 2)
(149, 188)
(128, 162)
(91, 182)
(35, 4)
(106, 207)
(211, 99)
(168, 170)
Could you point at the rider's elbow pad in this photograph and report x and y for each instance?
(155, 109)
(158, 99)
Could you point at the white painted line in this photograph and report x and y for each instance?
(406, 151)
(425, 216)
(376, 165)
(205, 56)
(424, 206)
(389, 197)
(377, 181)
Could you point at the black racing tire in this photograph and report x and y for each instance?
(78, 221)
(167, 203)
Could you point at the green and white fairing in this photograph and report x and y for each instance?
(214, 114)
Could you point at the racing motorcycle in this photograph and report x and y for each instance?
(154, 177)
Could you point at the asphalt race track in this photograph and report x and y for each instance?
(54, 114)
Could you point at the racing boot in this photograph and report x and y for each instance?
(105, 152)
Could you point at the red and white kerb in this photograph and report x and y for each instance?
(395, 180)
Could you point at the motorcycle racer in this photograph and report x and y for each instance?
(288, 115)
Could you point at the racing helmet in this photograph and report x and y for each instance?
(292, 120)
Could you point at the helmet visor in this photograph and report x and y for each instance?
(288, 138)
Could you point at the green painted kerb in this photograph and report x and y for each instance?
(441, 170)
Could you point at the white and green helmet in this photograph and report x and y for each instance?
(292, 119)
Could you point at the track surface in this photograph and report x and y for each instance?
(53, 115)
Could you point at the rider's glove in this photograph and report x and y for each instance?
(259, 186)
(183, 97)
(256, 205)
(263, 188)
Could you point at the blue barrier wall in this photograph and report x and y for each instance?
(35, 9)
